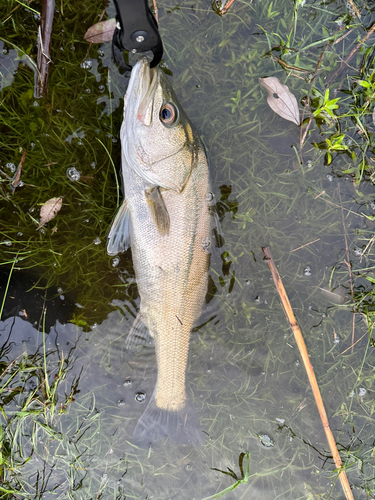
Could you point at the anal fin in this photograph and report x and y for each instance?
(138, 335)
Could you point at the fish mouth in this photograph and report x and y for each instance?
(144, 84)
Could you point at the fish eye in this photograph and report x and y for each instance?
(168, 114)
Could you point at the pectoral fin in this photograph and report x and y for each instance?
(158, 210)
(119, 234)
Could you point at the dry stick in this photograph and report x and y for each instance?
(156, 11)
(16, 178)
(305, 245)
(44, 45)
(226, 7)
(310, 372)
(347, 262)
(356, 48)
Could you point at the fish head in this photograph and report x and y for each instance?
(155, 127)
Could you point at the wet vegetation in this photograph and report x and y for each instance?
(68, 397)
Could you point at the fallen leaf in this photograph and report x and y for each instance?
(280, 99)
(49, 210)
(101, 32)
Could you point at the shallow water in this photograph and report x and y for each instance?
(245, 377)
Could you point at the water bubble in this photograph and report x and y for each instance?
(307, 271)
(140, 397)
(280, 420)
(329, 177)
(19, 233)
(351, 394)
(97, 241)
(60, 290)
(210, 196)
(115, 262)
(358, 251)
(92, 164)
(88, 91)
(5, 51)
(105, 477)
(128, 382)
(35, 104)
(73, 174)
(72, 47)
(266, 440)
(296, 362)
(188, 467)
(120, 403)
(372, 205)
(101, 52)
(87, 64)
(7, 243)
(362, 392)
(11, 167)
(62, 297)
(309, 164)
(248, 282)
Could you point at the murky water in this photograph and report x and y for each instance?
(245, 377)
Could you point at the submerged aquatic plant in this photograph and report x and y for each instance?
(246, 377)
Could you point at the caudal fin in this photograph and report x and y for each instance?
(181, 426)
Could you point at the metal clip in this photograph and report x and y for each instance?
(136, 32)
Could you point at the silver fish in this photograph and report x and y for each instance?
(167, 220)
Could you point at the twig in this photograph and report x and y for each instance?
(351, 346)
(226, 7)
(342, 37)
(355, 9)
(44, 45)
(303, 246)
(17, 176)
(356, 48)
(156, 11)
(347, 262)
(10, 364)
(310, 372)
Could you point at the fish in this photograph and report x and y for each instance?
(168, 220)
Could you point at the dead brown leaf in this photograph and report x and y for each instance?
(49, 210)
(280, 99)
(101, 32)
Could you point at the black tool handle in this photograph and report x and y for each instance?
(138, 29)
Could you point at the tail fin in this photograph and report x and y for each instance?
(181, 426)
